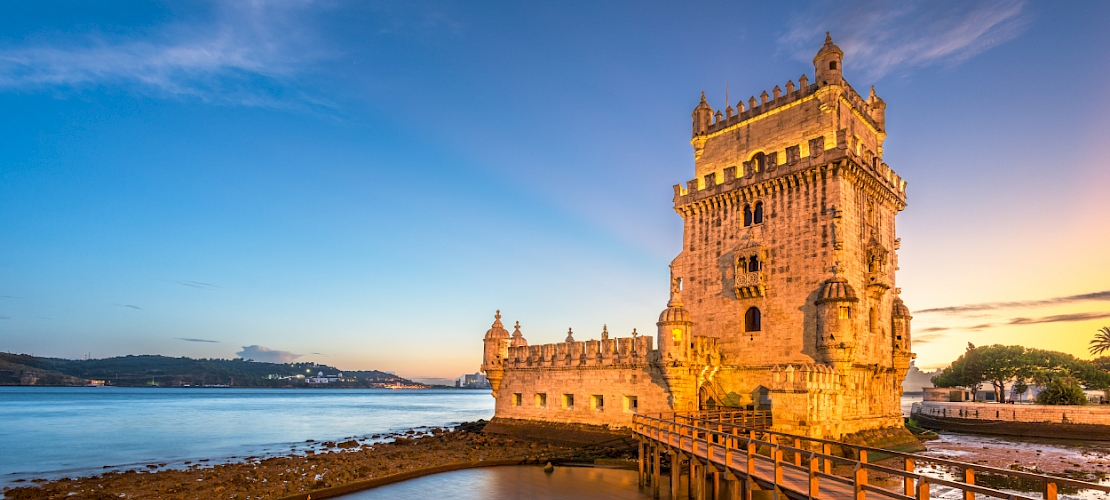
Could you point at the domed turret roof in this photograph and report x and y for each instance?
(900, 309)
(828, 48)
(837, 289)
(518, 338)
(703, 104)
(674, 313)
(498, 331)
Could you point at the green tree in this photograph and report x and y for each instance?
(964, 372)
(999, 364)
(1061, 388)
(1101, 342)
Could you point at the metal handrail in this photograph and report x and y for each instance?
(696, 435)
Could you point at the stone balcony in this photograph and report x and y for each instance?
(877, 284)
(750, 284)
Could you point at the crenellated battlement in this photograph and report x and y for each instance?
(794, 171)
(606, 352)
(805, 378)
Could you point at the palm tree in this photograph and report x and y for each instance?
(1101, 342)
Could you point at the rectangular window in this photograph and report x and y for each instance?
(845, 312)
(631, 405)
(541, 400)
(597, 402)
(518, 399)
(568, 401)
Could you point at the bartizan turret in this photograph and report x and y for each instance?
(900, 334)
(496, 351)
(674, 330)
(836, 332)
(827, 64)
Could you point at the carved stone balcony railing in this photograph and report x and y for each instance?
(877, 284)
(750, 284)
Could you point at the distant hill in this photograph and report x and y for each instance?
(135, 371)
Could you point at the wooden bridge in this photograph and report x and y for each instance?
(732, 455)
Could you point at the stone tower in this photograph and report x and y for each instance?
(789, 247)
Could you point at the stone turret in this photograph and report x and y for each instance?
(703, 117)
(496, 351)
(900, 334)
(674, 330)
(836, 333)
(878, 109)
(518, 338)
(827, 64)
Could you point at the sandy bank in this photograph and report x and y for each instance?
(331, 472)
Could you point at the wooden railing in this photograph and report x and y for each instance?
(741, 443)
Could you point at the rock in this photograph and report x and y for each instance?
(549, 468)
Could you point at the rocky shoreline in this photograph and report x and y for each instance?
(341, 463)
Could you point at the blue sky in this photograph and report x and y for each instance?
(362, 184)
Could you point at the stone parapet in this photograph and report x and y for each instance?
(1093, 415)
(606, 352)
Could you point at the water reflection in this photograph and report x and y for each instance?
(512, 482)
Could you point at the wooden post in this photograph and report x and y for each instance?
(676, 474)
(716, 484)
(733, 485)
(860, 482)
(826, 449)
(863, 456)
(1049, 490)
(641, 462)
(922, 489)
(749, 481)
(657, 473)
(797, 455)
(813, 466)
(908, 481)
(969, 478)
(703, 477)
(692, 480)
(778, 465)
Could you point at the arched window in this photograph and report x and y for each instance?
(874, 318)
(747, 215)
(753, 264)
(832, 65)
(742, 264)
(759, 162)
(757, 217)
(752, 320)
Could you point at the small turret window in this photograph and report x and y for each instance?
(747, 215)
(832, 65)
(845, 312)
(677, 335)
(752, 320)
(757, 217)
(753, 264)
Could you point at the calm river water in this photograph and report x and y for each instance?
(53, 432)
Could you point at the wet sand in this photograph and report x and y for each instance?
(276, 477)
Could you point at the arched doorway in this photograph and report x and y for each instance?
(706, 401)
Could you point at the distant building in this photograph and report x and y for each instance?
(472, 381)
(320, 378)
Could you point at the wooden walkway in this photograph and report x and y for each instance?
(733, 455)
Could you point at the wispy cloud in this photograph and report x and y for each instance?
(248, 53)
(1021, 304)
(260, 353)
(186, 339)
(197, 284)
(934, 329)
(5, 317)
(1061, 318)
(128, 306)
(881, 38)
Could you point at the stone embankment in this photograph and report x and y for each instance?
(1049, 421)
(350, 462)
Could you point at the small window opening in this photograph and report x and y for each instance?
(631, 405)
(541, 400)
(874, 319)
(742, 265)
(568, 401)
(597, 402)
(752, 320)
(759, 162)
(747, 215)
(677, 334)
(753, 264)
(757, 218)
(518, 399)
(845, 312)
(832, 65)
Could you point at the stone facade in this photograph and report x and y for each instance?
(783, 295)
